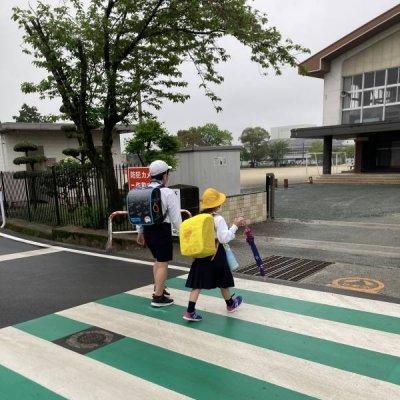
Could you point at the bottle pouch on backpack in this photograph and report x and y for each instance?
(232, 262)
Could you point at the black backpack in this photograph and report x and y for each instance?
(144, 206)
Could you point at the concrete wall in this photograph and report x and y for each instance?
(204, 167)
(381, 51)
(252, 206)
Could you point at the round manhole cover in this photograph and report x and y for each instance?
(90, 339)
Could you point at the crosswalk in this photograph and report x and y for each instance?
(283, 343)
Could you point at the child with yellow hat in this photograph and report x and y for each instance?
(213, 271)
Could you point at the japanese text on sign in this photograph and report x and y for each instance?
(138, 177)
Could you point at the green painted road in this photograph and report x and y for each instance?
(282, 343)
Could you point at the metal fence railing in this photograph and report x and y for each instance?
(67, 195)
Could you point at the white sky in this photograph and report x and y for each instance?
(248, 99)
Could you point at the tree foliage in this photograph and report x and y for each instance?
(188, 138)
(29, 159)
(30, 114)
(206, 135)
(255, 143)
(79, 153)
(277, 149)
(152, 142)
(348, 149)
(317, 146)
(113, 61)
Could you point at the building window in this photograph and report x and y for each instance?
(392, 113)
(371, 97)
(351, 117)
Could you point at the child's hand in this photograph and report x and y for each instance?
(140, 239)
(239, 221)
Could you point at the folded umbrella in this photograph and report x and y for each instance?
(250, 241)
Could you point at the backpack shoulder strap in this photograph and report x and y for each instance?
(160, 186)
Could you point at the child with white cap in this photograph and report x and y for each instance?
(158, 237)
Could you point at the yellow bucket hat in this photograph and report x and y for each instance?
(212, 198)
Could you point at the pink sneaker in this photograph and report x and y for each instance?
(237, 301)
(192, 316)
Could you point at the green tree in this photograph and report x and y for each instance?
(28, 159)
(111, 61)
(316, 147)
(255, 142)
(151, 142)
(31, 160)
(277, 149)
(188, 138)
(208, 135)
(30, 114)
(79, 153)
(348, 149)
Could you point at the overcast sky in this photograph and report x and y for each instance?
(248, 99)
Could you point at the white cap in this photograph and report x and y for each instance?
(158, 167)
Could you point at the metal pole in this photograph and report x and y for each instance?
(3, 214)
(272, 203)
(269, 188)
(55, 192)
(307, 166)
(27, 198)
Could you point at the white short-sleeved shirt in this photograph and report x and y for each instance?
(170, 207)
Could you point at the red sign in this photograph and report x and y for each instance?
(138, 177)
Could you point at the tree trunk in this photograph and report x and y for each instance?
(114, 201)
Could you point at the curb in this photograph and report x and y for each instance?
(72, 235)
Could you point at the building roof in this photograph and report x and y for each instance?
(210, 148)
(8, 127)
(319, 64)
(348, 131)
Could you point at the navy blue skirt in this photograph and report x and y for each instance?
(208, 273)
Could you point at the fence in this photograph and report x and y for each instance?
(69, 195)
(76, 195)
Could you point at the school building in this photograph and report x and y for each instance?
(361, 101)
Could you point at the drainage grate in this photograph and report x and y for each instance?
(286, 268)
(87, 340)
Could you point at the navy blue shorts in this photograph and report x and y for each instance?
(158, 238)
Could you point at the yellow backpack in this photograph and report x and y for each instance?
(196, 236)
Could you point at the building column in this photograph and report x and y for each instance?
(327, 163)
(358, 155)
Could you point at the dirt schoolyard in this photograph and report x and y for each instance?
(255, 177)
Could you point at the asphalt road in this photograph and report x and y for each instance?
(36, 280)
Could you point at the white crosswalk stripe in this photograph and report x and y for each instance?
(308, 364)
(311, 378)
(69, 374)
(356, 336)
(25, 254)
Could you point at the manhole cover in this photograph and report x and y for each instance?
(286, 268)
(358, 284)
(87, 340)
